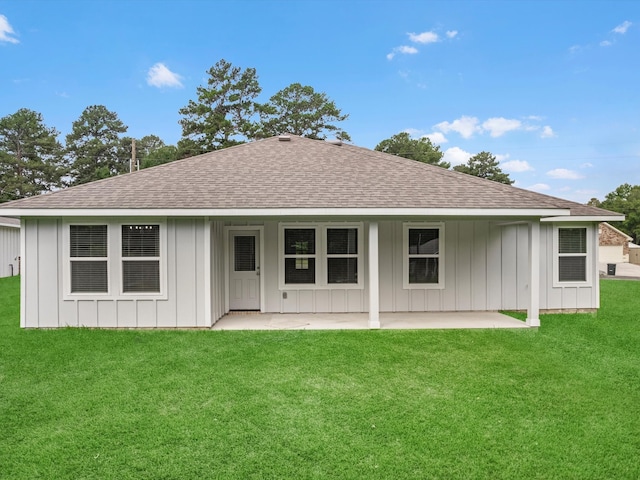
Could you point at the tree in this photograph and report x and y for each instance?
(484, 165)
(626, 200)
(300, 110)
(420, 149)
(94, 146)
(31, 160)
(165, 154)
(224, 113)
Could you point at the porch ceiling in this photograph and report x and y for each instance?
(360, 321)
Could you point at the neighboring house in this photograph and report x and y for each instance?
(9, 247)
(289, 224)
(614, 244)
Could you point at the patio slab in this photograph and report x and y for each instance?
(360, 321)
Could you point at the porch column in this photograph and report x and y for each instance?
(374, 292)
(533, 312)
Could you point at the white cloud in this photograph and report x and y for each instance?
(547, 132)
(499, 126)
(539, 187)
(424, 37)
(516, 166)
(622, 28)
(564, 174)
(160, 76)
(452, 33)
(6, 31)
(404, 49)
(437, 138)
(456, 156)
(606, 43)
(575, 48)
(535, 118)
(465, 126)
(586, 165)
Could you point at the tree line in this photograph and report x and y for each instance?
(225, 112)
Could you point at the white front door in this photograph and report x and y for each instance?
(244, 270)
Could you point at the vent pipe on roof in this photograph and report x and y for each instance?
(335, 142)
(284, 138)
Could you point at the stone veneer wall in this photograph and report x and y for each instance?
(609, 237)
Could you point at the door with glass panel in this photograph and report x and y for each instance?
(244, 270)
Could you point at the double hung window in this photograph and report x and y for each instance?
(321, 255)
(572, 255)
(423, 254)
(88, 257)
(141, 258)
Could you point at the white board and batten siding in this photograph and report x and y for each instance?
(485, 267)
(9, 248)
(181, 305)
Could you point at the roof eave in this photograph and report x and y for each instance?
(291, 212)
(585, 218)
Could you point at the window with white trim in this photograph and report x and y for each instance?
(141, 258)
(300, 256)
(88, 258)
(322, 255)
(572, 254)
(423, 255)
(342, 255)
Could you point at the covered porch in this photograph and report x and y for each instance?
(360, 321)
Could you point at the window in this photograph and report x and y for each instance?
(141, 258)
(321, 255)
(88, 247)
(423, 253)
(572, 254)
(300, 256)
(342, 255)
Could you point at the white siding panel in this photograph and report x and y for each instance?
(479, 277)
(494, 268)
(199, 269)
(30, 266)
(290, 303)
(463, 266)
(338, 301)
(354, 301)
(167, 309)
(450, 266)
(509, 268)
(87, 313)
(186, 273)
(323, 301)
(146, 313)
(69, 313)
(522, 247)
(107, 314)
(273, 296)
(305, 301)
(48, 289)
(385, 265)
(417, 301)
(126, 313)
(9, 251)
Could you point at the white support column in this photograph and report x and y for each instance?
(374, 289)
(533, 312)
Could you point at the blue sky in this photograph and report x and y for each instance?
(549, 87)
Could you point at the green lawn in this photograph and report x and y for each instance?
(560, 402)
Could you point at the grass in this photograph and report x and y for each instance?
(559, 402)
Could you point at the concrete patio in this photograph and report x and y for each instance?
(359, 321)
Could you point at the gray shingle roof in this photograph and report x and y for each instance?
(299, 173)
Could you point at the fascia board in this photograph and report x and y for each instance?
(289, 212)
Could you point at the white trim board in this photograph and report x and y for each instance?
(556, 213)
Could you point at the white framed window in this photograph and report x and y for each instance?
(423, 255)
(140, 250)
(321, 255)
(572, 262)
(88, 259)
(115, 258)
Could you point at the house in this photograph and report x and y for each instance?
(614, 244)
(9, 247)
(290, 224)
